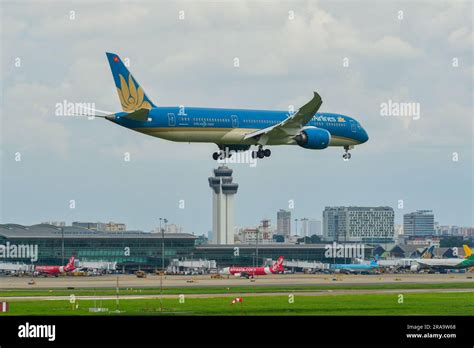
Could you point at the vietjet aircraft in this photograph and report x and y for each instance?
(248, 272)
(450, 263)
(54, 270)
(231, 129)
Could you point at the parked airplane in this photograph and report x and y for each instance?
(231, 129)
(55, 270)
(451, 263)
(355, 267)
(250, 272)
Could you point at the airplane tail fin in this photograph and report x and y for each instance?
(278, 265)
(70, 264)
(428, 253)
(131, 94)
(467, 251)
(469, 254)
(375, 260)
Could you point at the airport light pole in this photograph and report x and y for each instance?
(62, 246)
(162, 261)
(256, 251)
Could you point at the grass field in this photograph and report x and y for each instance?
(224, 290)
(364, 304)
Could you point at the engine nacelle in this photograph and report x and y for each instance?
(414, 267)
(313, 138)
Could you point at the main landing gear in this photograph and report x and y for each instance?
(227, 153)
(221, 154)
(346, 155)
(261, 153)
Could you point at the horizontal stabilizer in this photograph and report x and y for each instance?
(139, 115)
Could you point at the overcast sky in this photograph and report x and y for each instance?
(47, 57)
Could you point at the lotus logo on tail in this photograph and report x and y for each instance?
(131, 97)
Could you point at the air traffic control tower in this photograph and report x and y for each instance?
(223, 205)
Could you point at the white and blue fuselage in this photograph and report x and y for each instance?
(229, 126)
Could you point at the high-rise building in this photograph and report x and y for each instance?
(310, 227)
(304, 229)
(419, 223)
(314, 228)
(223, 191)
(358, 224)
(284, 223)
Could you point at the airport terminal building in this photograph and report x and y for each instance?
(133, 250)
(130, 249)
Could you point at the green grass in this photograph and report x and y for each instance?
(373, 304)
(223, 289)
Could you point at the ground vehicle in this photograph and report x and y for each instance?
(140, 274)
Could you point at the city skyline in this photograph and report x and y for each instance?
(273, 226)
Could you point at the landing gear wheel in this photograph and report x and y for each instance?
(254, 154)
(215, 156)
(267, 152)
(346, 155)
(260, 154)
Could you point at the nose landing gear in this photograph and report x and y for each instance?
(346, 156)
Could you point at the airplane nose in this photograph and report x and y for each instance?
(364, 136)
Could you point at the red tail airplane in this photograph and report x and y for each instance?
(248, 272)
(54, 270)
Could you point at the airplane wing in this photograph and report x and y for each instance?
(291, 126)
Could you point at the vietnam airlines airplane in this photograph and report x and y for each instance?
(231, 129)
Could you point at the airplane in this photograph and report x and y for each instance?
(250, 272)
(450, 263)
(414, 263)
(55, 270)
(356, 267)
(427, 253)
(231, 129)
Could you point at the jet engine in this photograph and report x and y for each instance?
(313, 138)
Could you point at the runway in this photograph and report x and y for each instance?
(169, 281)
(233, 294)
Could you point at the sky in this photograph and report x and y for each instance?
(356, 54)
